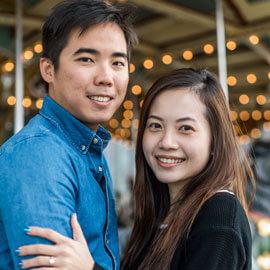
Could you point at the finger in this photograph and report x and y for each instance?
(48, 234)
(38, 249)
(40, 261)
(76, 229)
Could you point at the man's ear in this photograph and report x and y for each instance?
(46, 69)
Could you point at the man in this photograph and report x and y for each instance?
(55, 165)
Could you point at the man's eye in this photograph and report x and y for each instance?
(118, 63)
(85, 59)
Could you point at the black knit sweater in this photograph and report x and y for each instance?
(220, 238)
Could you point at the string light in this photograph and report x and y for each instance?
(187, 55)
(266, 126)
(132, 68)
(268, 75)
(208, 48)
(231, 45)
(251, 78)
(244, 139)
(38, 48)
(27, 102)
(231, 80)
(141, 103)
(148, 63)
(244, 99)
(128, 114)
(167, 59)
(256, 115)
(255, 133)
(254, 39)
(128, 104)
(261, 99)
(8, 66)
(244, 115)
(28, 54)
(11, 101)
(39, 103)
(113, 123)
(136, 90)
(266, 115)
(126, 123)
(234, 115)
(135, 123)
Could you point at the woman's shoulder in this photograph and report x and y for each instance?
(222, 211)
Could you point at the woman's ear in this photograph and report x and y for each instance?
(46, 69)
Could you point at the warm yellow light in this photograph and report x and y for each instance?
(135, 123)
(234, 115)
(256, 115)
(255, 133)
(39, 103)
(141, 103)
(132, 68)
(237, 129)
(266, 126)
(148, 63)
(128, 105)
(113, 123)
(261, 99)
(244, 99)
(251, 78)
(8, 66)
(136, 90)
(231, 80)
(126, 123)
(244, 139)
(254, 39)
(268, 75)
(244, 115)
(266, 115)
(38, 48)
(128, 114)
(27, 102)
(264, 261)
(208, 48)
(167, 59)
(11, 101)
(264, 227)
(231, 45)
(187, 55)
(28, 54)
(121, 1)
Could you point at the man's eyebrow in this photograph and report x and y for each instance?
(120, 54)
(86, 50)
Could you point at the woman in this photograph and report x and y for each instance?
(189, 188)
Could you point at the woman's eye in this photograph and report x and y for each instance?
(155, 126)
(186, 128)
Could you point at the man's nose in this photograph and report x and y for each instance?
(104, 76)
(168, 141)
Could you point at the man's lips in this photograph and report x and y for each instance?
(100, 98)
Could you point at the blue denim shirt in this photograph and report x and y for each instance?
(51, 169)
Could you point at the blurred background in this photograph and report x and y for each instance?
(172, 34)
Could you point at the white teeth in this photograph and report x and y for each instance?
(99, 98)
(169, 160)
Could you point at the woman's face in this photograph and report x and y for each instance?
(177, 138)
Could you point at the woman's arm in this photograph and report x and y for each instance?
(67, 253)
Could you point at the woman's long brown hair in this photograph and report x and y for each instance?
(226, 169)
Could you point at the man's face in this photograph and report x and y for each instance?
(92, 77)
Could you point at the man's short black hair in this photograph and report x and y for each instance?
(81, 14)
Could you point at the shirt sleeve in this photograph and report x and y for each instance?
(38, 188)
(216, 248)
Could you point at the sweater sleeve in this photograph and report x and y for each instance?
(214, 249)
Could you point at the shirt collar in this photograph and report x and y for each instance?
(77, 133)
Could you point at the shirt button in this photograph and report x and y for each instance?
(83, 147)
(108, 242)
(100, 169)
(95, 141)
